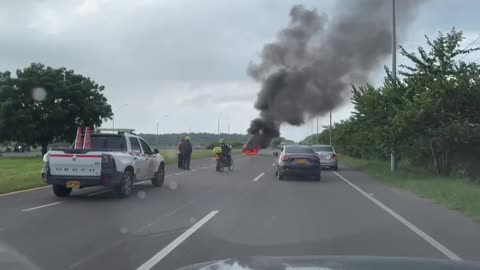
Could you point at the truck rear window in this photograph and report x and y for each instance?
(109, 143)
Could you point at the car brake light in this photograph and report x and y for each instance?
(285, 158)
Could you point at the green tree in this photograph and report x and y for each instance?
(44, 104)
(442, 103)
(430, 115)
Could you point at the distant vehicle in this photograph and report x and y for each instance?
(298, 160)
(21, 148)
(113, 160)
(327, 155)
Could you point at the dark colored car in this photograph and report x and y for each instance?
(21, 148)
(333, 263)
(298, 160)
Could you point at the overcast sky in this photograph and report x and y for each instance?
(178, 62)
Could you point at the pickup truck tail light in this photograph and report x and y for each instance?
(108, 161)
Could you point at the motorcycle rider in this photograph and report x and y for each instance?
(225, 151)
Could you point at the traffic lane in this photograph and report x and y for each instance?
(144, 247)
(83, 225)
(299, 217)
(11, 203)
(451, 228)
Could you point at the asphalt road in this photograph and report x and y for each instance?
(202, 215)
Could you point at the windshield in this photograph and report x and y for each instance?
(299, 150)
(322, 148)
(352, 126)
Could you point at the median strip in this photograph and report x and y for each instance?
(41, 206)
(170, 247)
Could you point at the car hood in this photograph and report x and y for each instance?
(332, 263)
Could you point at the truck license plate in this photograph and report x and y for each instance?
(73, 184)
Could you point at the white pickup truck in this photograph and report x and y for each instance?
(112, 160)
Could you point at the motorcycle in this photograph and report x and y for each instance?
(222, 163)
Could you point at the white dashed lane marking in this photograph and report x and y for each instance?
(258, 177)
(41, 206)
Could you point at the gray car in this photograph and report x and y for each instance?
(327, 155)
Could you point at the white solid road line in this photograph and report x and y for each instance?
(258, 177)
(180, 173)
(405, 222)
(22, 191)
(170, 247)
(41, 206)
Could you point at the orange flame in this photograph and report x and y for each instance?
(250, 152)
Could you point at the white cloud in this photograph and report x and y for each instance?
(88, 7)
(183, 58)
(44, 20)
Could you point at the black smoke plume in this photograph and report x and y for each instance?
(309, 69)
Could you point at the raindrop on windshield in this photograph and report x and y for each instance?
(172, 185)
(39, 94)
(141, 194)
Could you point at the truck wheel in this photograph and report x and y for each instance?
(61, 191)
(159, 176)
(125, 188)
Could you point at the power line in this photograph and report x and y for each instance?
(476, 60)
(464, 48)
(471, 43)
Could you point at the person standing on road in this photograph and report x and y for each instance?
(179, 152)
(186, 152)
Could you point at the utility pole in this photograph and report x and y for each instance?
(311, 131)
(317, 125)
(330, 130)
(393, 161)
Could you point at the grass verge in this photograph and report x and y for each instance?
(452, 192)
(24, 173)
